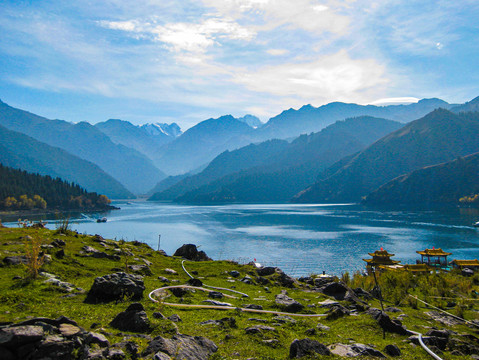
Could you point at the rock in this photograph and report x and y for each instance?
(116, 287)
(288, 304)
(175, 318)
(258, 329)
(443, 318)
(12, 337)
(129, 347)
(195, 282)
(96, 338)
(467, 272)
(392, 309)
(89, 249)
(262, 280)
(215, 295)
(133, 319)
(116, 354)
(54, 347)
(306, 279)
(190, 252)
(438, 342)
(340, 291)
(323, 327)
(179, 291)
(385, 322)
(253, 306)
(305, 347)
(265, 271)
(336, 312)
(234, 273)
(362, 293)
(58, 243)
(68, 330)
(163, 279)
(228, 321)
(15, 260)
(65, 286)
(283, 319)
(247, 280)
(439, 333)
(286, 280)
(181, 347)
(158, 315)
(271, 342)
(171, 271)
(60, 254)
(217, 303)
(140, 269)
(392, 350)
(328, 303)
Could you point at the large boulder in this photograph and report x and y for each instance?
(115, 287)
(133, 319)
(305, 347)
(190, 252)
(385, 322)
(354, 350)
(288, 304)
(181, 347)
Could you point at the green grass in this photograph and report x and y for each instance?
(22, 298)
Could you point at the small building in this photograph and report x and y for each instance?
(434, 257)
(416, 268)
(380, 259)
(462, 264)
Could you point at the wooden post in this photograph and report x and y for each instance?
(159, 242)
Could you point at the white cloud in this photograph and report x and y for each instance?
(395, 100)
(277, 52)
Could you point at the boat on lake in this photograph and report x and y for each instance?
(101, 220)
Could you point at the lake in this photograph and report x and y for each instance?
(300, 239)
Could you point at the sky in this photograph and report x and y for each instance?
(186, 61)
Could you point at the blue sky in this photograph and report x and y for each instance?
(186, 61)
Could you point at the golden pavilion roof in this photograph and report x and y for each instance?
(416, 267)
(433, 252)
(474, 262)
(381, 253)
(381, 257)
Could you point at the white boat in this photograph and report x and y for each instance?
(476, 224)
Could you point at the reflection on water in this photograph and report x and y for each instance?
(301, 239)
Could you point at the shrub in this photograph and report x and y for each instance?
(35, 259)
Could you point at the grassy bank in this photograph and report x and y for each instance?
(22, 297)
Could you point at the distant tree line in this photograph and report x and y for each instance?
(20, 190)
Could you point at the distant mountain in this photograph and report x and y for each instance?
(307, 119)
(22, 190)
(470, 106)
(276, 170)
(445, 183)
(143, 139)
(438, 137)
(251, 120)
(163, 131)
(133, 169)
(20, 151)
(226, 163)
(203, 142)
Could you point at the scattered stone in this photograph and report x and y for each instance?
(258, 320)
(12, 337)
(116, 287)
(286, 280)
(58, 243)
(283, 319)
(262, 280)
(163, 279)
(116, 354)
(96, 338)
(265, 271)
(323, 327)
(181, 347)
(215, 295)
(271, 342)
(438, 342)
(228, 321)
(158, 315)
(190, 252)
(15, 260)
(443, 318)
(175, 318)
(253, 306)
(353, 350)
(179, 291)
(305, 347)
(64, 286)
(140, 269)
(336, 312)
(385, 322)
(288, 304)
(362, 293)
(340, 291)
(68, 330)
(133, 319)
(258, 329)
(217, 303)
(60, 254)
(195, 282)
(171, 271)
(392, 350)
(467, 272)
(234, 273)
(392, 309)
(327, 303)
(247, 280)
(310, 332)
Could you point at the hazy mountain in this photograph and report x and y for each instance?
(20, 151)
(438, 137)
(133, 169)
(284, 168)
(308, 118)
(203, 142)
(163, 131)
(226, 163)
(472, 105)
(139, 138)
(251, 120)
(439, 184)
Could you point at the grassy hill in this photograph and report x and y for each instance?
(22, 298)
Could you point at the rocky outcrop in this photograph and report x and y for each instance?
(181, 347)
(133, 319)
(385, 322)
(305, 347)
(354, 350)
(115, 287)
(190, 252)
(288, 304)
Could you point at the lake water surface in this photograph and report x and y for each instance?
(300, 239)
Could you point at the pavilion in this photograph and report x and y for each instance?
(434, 257)
(380, 259)
(462, 264)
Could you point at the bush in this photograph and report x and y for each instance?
(35, 259)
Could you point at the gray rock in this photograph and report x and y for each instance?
(15, 260)
(181, 347)
(190, 252)
(195, 282)
(96, 338)
(259, 329)
(353, 350)
(392, 350)
(163, 279)
(438, 342)
(16, 336)
(385, 322)
(116, 287)
(140, 269)
(215, 295)
(253, 306)
(323, 327)
(467, 272)
(247, 280)
(171, 271)
(133, 319)
(392, 309)
(283, 319)
(175, 318)
(116, 354)
(217, 303)
(288, 304)
(234, 273)
(305, 347)
(179, 291)
(336, 312)
(265, 271)
(228, 321)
